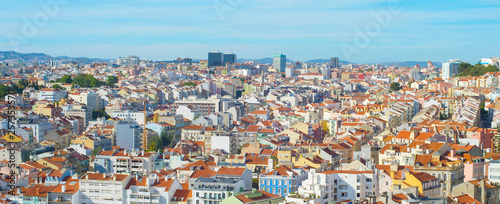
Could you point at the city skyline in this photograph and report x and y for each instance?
(156, 30)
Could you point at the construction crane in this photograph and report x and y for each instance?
(145, 135)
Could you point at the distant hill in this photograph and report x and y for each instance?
(328, 61)
(41, 57)
(410, 63)
(269, 60)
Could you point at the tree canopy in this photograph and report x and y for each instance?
(395, 86)
(111, 81)
(466, 69)
(87, 80)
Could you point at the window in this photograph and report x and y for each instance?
(357, 195)
(343, 194)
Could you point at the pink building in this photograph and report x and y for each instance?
(474, 168)
(484, 136)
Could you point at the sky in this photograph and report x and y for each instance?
(362, 31)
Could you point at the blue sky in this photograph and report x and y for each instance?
(301, 29)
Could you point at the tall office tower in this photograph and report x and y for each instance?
(279, 62)
(334, 62)
(450, 69)
(215, 59)
(229, 58)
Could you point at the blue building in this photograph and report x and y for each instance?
(279, 62)
(282, 180)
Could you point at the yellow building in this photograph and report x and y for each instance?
(46, 108)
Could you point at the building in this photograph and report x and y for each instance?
(227, 141)
(128, 61)
(229, 58)
(494, 171)
(215, 59)
(128, 135)
(137, 116)
(450, 69)
(334, 62)
(68, 192)
(282, 180)
(289, 71)
(215, 190)
(51, 95)
(338, 185)
(124, 161)
(151, 189)
(93, 141)
(279, 62)
(92, 100)
(103, 188)
(482, 190)
(254, 196)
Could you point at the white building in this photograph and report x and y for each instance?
(92, 100)
(494, 171)
(128, 61)
(227, 141)
(128, 135)
(150, 189)
(123, 161)
(450, 69)
(50, 94)
(214, 190)
(312, 76)
(103, 188)
(339, 185)
(137, 116)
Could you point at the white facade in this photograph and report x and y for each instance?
(339, 185)
(103, 188)
(494, 171)
(227, 142)
(51, 95)
(92, 100)
(137, 116)
(450, 69)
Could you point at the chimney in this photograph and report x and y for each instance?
(413, 134)
(19, 191)
(436, 158)
(453, 153)
(37, 191)
(483, 191)
(104, 175)
(63, 188)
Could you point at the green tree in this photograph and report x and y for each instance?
(86, 80)
(99, 114)
(56, 86)
(190, 83)
(111, 81)
(96, 151)
(395, 86)
(65, 79)
(255, 183)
